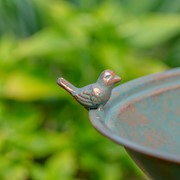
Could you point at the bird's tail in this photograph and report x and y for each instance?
(66, 85)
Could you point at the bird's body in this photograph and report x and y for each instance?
(93, 95)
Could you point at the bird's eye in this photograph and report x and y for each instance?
(108, 76)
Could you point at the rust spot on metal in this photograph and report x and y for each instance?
(178, 113)
(129, 112)
(143, 116)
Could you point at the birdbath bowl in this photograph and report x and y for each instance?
(143, 116)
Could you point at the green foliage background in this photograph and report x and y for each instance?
(44, 133)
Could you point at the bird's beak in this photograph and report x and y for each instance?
(116, 79)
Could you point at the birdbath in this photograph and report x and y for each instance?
(142, 115)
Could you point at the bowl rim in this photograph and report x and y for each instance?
(133, 87)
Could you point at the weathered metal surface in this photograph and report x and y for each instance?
(93, 95)
(144, 116)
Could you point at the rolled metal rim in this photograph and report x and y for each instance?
(168, 79)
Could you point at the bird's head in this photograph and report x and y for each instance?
(108, 78)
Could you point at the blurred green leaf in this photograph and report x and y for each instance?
(47, 43)
(22, 86)
(61, 166)
(152, 30)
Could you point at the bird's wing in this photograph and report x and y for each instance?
(90, 96)
(84, 96)
(97, 95)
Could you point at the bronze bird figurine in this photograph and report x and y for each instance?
(94, 95)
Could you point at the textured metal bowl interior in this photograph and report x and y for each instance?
(143, 115)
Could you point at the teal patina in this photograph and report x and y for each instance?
(94, 95)
(144, 116)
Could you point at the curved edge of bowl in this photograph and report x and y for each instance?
(97, 120)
